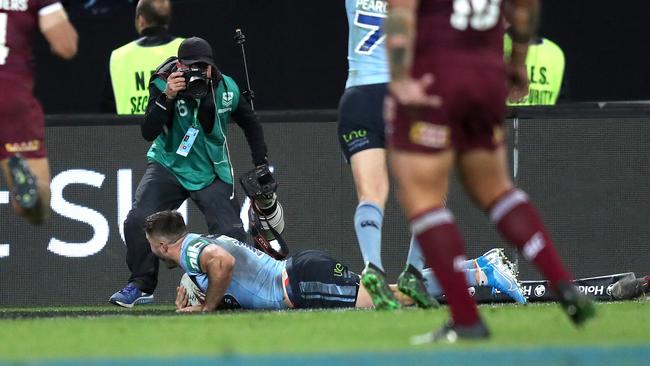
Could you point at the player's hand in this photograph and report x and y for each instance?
(517, 82)
(175, 83)
(191, 309)
(413, 92)
(181, 298)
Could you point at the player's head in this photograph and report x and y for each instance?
(164, 231)
(152, 13)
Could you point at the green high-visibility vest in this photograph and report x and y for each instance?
(209, 156)
(545, 64)
(131, 68)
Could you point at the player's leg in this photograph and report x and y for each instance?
(361, 136)
(29, 182)
(158, 190)
(494, 274)
(423, 181)
(485, 174)
(371, 182)
(317, 280)
(23, 157)
(40, 168)
(221, 212)
(411, 282)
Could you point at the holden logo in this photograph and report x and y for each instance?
(540, 290)
(609, 289)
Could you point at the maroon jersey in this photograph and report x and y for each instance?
(450, 26)
(18, 24)
(460, 42)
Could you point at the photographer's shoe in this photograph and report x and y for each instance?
(374, 280)
(130, 296)
(411, 284)
(578, 306)
(25, 191)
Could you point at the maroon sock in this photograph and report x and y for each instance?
(442, 246)
(520, 224)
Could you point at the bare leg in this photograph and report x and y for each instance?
(485, 175)
(423, 184)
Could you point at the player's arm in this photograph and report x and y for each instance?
(219, 265)
(55, 26)
(523, 16)
(400, 37)
(400, 26)
(158, 115)
(245, 117)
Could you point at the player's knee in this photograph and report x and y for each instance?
(485, 197)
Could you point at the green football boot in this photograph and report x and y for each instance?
(411, 284)
(374, 280)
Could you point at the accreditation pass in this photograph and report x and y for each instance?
(188, 140)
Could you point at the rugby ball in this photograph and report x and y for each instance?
(194, 293)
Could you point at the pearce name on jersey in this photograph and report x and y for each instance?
(375, 6)
(14, 5)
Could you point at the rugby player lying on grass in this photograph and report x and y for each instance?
(232, 274)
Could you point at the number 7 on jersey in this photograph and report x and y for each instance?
(373, 23)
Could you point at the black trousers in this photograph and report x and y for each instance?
(159, 190)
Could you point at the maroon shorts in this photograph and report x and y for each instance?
(22, 125)
(472, 112)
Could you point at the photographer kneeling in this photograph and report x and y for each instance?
(190, 103)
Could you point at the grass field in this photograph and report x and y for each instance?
(155, 335)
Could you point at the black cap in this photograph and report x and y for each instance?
(194, 50)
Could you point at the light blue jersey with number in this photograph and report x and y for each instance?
(367, 63)
(256, 280)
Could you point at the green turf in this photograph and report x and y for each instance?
(300, 331)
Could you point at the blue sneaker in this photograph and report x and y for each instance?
(492, 255)
(130, 296)
(501, 278)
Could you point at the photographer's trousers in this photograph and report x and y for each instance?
(159, 190)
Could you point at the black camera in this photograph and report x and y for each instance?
(196, 82)
(259, 183)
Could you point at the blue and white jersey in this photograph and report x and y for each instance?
(257, 278)
(367, 63)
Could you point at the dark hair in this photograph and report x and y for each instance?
(168, 224)
(157, 13)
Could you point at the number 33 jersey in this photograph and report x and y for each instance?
(446, 27)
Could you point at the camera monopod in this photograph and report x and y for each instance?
(240, 38)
